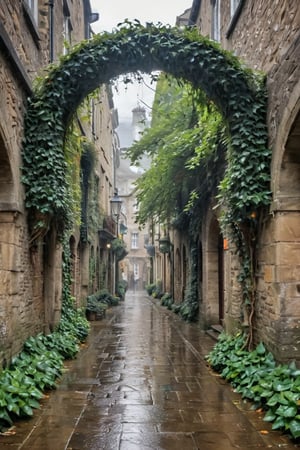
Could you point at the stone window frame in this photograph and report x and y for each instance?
(31, 18)
(216, 20)
(135, 240)
(67, 26)
(236, 9)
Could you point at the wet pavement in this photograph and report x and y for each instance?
(141, 383)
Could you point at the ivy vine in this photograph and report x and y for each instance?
(238, 93)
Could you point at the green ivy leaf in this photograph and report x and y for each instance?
(260, 349)
(294, 427)
(286, 411)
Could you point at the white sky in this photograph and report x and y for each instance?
(113, 12)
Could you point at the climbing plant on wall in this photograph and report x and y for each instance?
(183, 144)
(238, 94)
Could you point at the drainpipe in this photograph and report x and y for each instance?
(51, 32)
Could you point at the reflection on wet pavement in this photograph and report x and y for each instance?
(141, 382)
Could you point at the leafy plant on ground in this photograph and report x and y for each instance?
(150, 288)
(40, 363)
(93, 305)
(33, 371)
(122, 288)
(257, 377)
(155, 289)
(167, 300)
(106, 297)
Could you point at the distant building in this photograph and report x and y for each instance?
(135, 267)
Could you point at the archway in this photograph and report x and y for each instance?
(282, 270)
(185, 55)
(213, 288)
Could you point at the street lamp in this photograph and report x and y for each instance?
(115, 210)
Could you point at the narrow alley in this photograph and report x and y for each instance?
(141, 382)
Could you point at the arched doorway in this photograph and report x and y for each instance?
(212, 307)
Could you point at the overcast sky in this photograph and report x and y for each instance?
(113, 12)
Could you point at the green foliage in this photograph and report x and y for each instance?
(74, 323)
(104, 296)
(155, 289)
(150, 288)
(167, 300)
(73, 145)
(90, 216)
(119, 248)
(182, 145)
(237, 93)
(257, 377)
(40, 363)
(94, 305)
(38, 366)
(189, 308)
(122, 288)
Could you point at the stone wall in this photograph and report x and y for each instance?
(24, 51)
(20, 311)
(265, 35)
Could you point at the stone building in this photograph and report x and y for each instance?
(265, 35)
(34, 33)
(136, 265)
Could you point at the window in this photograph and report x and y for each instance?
(134, 240)
(31, 14)
(233, 6)
(67, 30)
(215, 32)
(135, 206)
(33, 8)
(236, 7)
(67, 34)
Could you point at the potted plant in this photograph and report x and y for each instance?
(95, 310)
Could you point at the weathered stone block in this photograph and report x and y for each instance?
(288, 253)
(287, 273)
(9, 257)
(287, 228)
(269, 274)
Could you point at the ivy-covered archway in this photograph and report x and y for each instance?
(238, 93)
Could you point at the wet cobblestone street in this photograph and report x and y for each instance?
(141, 382)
